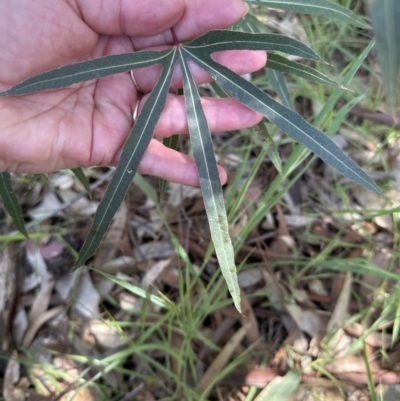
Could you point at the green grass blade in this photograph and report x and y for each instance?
(140, 292)
(86, 71)
(277, 188)
(385, 15)
(80, 175)
(132, 153)
(349, 74)
(269, 146)
(216, 41)
(282, 64)
(278, 83)
(370, 380)
(210, 183)
(323, 8)
(287, 120)
(11, 202)
(172, 143)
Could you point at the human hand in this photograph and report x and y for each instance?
(87, 124)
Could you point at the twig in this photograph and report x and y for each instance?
(379, 118)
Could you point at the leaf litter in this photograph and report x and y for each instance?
(299, 299)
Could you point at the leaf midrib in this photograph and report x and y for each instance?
(186, 67)
(209, 64)
(133, 154)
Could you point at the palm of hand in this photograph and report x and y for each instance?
(87, 124)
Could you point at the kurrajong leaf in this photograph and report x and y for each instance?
(282, 64)
(198, 51)
(288, 121)
(209, 181)
(86, 71)
(323, 8)
(215, 41)
(132, 153)
(11, 202)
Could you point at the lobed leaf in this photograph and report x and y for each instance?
(11, 203)
(86, 71)
(216, 41)
(288, 121)
(322, 8)
(282, 64)
(132, 153)
(199, 52)
(203, 152)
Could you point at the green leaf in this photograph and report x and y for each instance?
(218, 90)
(282, 64)
(171, 143)
(291, 123)
(277, 81)
(280, 388)
(209, 180)
(132, 153)
(385, 15)
(199, 52)
(80, 175)
(86, 71)
(322, 8)
(269, 146)
(249, 23)
(11, 203)
(216, 41)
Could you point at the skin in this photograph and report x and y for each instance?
(87, 124)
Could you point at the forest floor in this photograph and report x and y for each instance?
(150, 317)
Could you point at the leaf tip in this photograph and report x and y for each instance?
(238, 305)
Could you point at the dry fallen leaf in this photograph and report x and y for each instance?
(221, 360)
(11, 392)
(107, 334)
(108, 247)
(87, 297)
